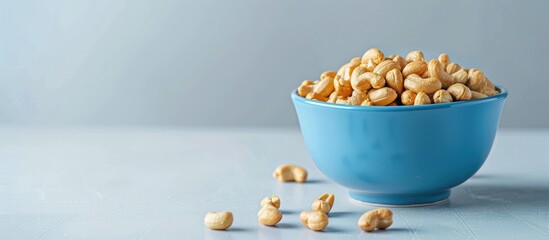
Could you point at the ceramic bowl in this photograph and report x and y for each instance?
(400, 155)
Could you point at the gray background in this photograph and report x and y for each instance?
(225, 63)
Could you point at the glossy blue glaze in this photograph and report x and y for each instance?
(400, 155)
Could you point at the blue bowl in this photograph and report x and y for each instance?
(400, 155)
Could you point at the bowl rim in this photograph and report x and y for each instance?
(501, 96)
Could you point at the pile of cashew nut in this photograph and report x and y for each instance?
(316, 219)
(376, 80)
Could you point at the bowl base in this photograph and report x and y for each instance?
(400, 200)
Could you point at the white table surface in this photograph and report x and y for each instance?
(130, 183)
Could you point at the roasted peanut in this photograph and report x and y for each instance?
(400, 61)
(418, 84)
(421, 99)
(414, 56)
(305, 88)
(477, 81)
(274, 200)
(436, 70)
(417, 67)
(395, 81)
(444, 59)
(324, 203)
(408, 97)
(376, 219)
(289, 173)
(373, 54)
(461, 76)
(452, 68)
(314, 220)
(384, 67)
(357, 98)
(442, 96)
(477, 95)
(383, 96)
(459, 92)
(218, 220)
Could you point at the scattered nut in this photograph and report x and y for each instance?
(376, 219)
(289, 173)
(314, 220)
(218, 220)
(274, 201)
(269, 215)
(324, 203)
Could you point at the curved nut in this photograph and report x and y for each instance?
(414, 56)
(327, 74)
(477, 95)
(325, 87)
(384, 67)
(444, 59)
(459, 92)
(314, 220)
(417, 67)
(400, 61)
(452, 68)
(394, 80)
(477, 81)
(461, 76)
(408, 97)
(489, 91)
(373, 54)
(421, 99)
(436, 70)
(342, 100)
(289, 173)
(332, 98)
(305, 88)
(341, 91)
(367, 102)
(383, 96)
(376, 219)
(274, 201)
(426, 85)
(218, 220)
(361, 84)
(324, 203)
(269, 215)
(442, 96)
(367, 80)
(316, 96)
(357, 98)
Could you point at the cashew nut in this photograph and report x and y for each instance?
(289, 173)
(383, 96)
(324, 203)
(444, 59)
(373, 54)
(460, 76)
(218, 220)
(422, 98)
(408, 97)
(400, 61)
(442, 96)
(384, 67)
(452, 68)
(436, 70)
(418, 84)
(477, 81)
(314, 220)
(376, 219)
(414, 56)
(477, 95)
(395, 81)
(274, 201)
(459, 92)
(269, 214)
(417, 67)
